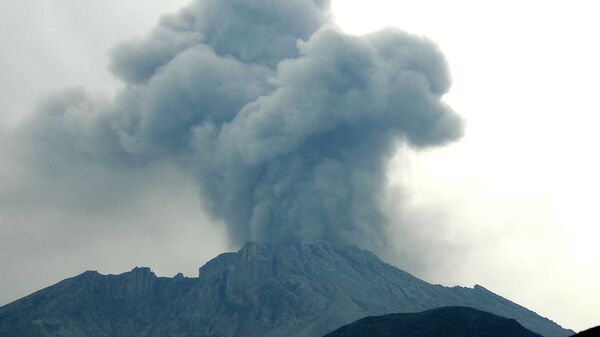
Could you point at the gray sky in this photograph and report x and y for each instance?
(508, 207)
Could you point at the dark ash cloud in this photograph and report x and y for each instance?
(285, 122)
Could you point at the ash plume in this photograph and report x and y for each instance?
(285, 122)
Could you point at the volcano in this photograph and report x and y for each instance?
(265, 289)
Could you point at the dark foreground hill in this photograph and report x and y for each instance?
(446, 322)
(593, 332)
(262, 290)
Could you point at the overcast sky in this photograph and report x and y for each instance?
(510, 206)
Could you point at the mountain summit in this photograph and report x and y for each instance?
(262, 290)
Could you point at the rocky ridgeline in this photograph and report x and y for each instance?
(262, 290)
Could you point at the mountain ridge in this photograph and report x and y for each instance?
(445, 321)
(591, 332)
(264, 289)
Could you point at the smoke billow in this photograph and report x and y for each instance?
(285, 122)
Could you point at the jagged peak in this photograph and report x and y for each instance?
(480, 287)
(142, 270)
(259, 247)
(254, 250)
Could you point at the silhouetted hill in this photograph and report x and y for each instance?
(446, 322)
(262, 290)
(593, 332)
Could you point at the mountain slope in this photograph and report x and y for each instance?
(593, 332)
(446, 321)
(262, 290)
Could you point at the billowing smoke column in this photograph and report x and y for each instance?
(285, 121)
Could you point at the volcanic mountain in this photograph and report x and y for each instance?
(264, 289)
(446, 321)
